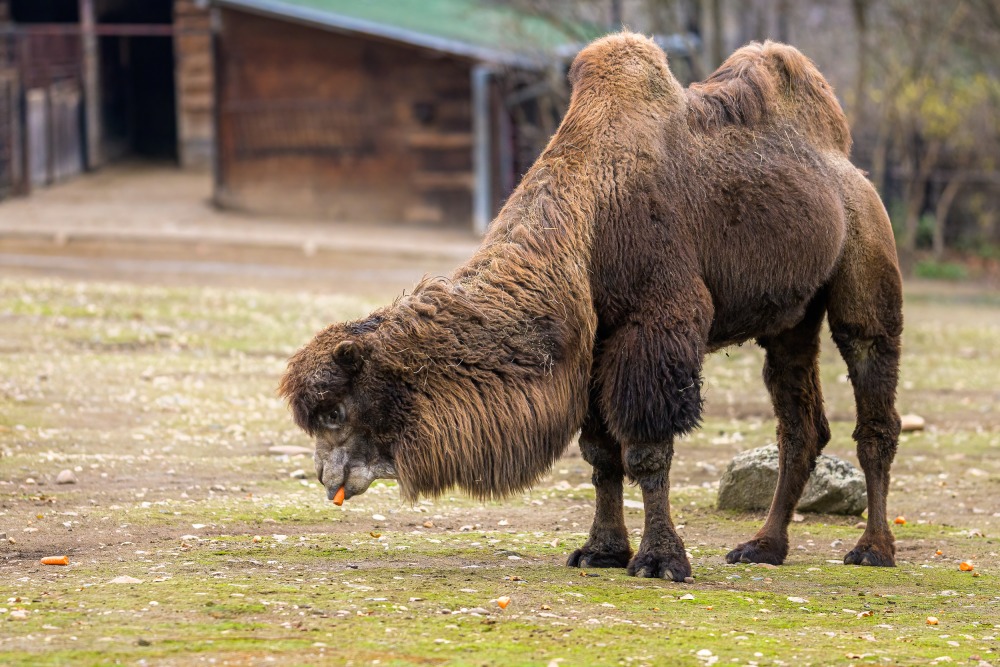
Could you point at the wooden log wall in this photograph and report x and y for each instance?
(9, 131)
(317, 123)
(195, 83)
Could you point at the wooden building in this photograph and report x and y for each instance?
(87, 82)
(415, 111)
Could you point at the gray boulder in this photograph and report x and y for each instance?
(835, 486)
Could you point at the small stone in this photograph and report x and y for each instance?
(634, 504)
(18, 615)
(378, 517)
(428, 524)
(908, 423)
(686, 597)
(297, 474)
(125, 580)
(289, 450)
(688, 580)
(479, 610)
(30, 480)
(66, 477)
(144, 642)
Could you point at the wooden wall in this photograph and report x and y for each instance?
(322, 124)
(10, 131)
(195, 83)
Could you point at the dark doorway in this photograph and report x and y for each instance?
(134, 11)
(139, 99)
(45, 11)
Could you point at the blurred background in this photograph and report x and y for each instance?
(340, 125)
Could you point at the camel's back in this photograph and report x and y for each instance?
(767, 86)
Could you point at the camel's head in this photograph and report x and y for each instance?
(337, 396)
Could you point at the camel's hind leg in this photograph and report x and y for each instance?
(866, 319)
(791, 373)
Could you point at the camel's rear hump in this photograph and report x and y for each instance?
(762, 83)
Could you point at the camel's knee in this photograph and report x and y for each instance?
(648, 464)
(605, 457)
(877, 439)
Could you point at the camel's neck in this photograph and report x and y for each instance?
(501, 356)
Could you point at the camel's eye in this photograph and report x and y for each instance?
(333, 420)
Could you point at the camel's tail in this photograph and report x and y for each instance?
(763, 81)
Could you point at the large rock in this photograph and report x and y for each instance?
(835, 486)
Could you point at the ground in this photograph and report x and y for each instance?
(161, 399)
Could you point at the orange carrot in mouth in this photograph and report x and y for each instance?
(55, 560)
(338, 498)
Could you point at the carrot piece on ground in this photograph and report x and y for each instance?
(55, 560)
(338, 498)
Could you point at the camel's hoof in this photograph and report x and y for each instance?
(652, 565)
(870, 554)
(759, 550)
(588, 556)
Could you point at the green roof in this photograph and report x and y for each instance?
(477, 29)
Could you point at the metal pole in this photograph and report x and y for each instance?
(482, 194)
(91, 82)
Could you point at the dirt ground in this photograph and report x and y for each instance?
(155, 388)
(150, 224)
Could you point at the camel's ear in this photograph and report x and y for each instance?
(348, 356)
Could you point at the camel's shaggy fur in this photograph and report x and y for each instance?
(659, 224)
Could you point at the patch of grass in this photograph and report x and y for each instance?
(298, 603)
(934, 270)
(164, 400)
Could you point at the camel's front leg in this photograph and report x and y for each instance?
(661, 553)
(608, 544)
(650, 391)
